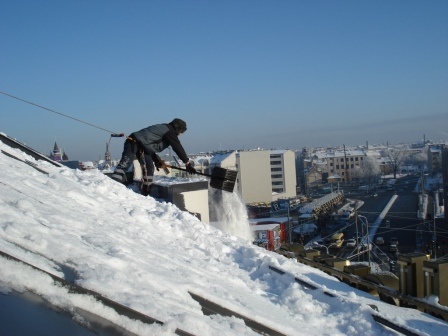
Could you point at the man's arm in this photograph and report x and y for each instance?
(172, 139)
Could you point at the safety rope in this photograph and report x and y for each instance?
(113, 134)
(142, 161)
(145, 177)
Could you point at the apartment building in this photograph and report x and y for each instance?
(435, 158)
(265, 175)
(283, 174)
(339, 162)
(445, 180)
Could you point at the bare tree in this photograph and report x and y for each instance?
(418, 159)
(396, 157)
(371, 170)
(356, 173)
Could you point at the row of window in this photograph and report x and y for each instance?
(357, 158)
(344, 167)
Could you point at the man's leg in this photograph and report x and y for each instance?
(129, 150)
(147, 176)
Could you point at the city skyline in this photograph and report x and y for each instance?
(241, 74)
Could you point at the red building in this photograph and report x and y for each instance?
(269, 232)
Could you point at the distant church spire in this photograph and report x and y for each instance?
(107, 155)
(57, 154)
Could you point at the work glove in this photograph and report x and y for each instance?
(159, 163)
(190, 169)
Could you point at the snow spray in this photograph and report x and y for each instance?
(229, 214)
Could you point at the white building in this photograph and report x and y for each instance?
(265, 175)
(342, 163)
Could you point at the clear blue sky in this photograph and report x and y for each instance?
(243, 74)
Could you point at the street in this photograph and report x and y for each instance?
(400, 227)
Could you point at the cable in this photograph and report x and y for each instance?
(64, 115)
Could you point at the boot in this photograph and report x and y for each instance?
(145, 188)
(119, 175)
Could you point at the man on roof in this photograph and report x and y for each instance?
(145, 144)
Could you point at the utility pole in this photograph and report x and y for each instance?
(368, 237)
(423, 183)
(357, 234)
(434, 239)
(289, 225)
(347, 179)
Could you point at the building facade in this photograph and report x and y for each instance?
(343, 163)
(435, 159)
(264, 175)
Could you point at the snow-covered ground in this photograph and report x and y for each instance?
(148, 255)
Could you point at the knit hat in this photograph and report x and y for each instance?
(179, 125)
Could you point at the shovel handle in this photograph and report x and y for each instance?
(183, 169)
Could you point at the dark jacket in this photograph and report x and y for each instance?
(156, 138)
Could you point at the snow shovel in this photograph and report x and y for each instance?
(220, 178)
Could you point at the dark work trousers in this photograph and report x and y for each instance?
(130, 152)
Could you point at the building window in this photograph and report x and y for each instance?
(276, 162)
(276, 169)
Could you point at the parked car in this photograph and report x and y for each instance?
(394, 241)
(393, 248)
(351, 242)
(365, 247)
(379, 241)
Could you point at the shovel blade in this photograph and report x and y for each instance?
(223, 179)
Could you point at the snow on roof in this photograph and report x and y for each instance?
(337, 153)
(278, 151)
(310, 207)
(219, 157)
(277, 220)
(149, 256)
(264, 227)
(167, 180)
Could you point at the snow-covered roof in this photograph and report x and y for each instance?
(278, 151)
(310, 207)
(264, 227)
(269, 220)
(150, 257)
(219, 157)
(334, 154)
